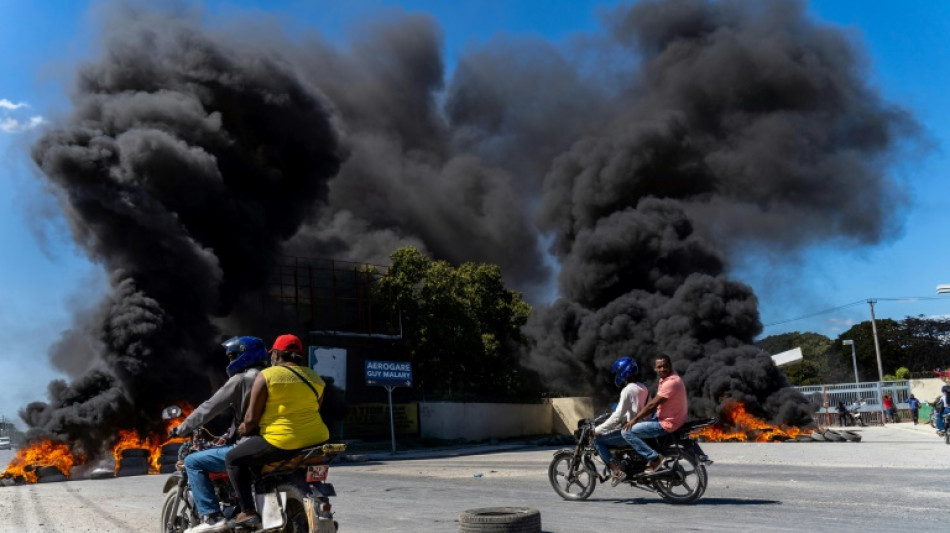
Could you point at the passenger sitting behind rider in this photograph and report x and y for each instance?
(633, 396)
(286, 410)
(671, 413)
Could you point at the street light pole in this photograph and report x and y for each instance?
(854, 358)
(877, 346)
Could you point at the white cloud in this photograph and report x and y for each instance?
(11, 123)
(6, 104)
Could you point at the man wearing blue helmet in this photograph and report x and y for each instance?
(247, 356)
(633, 396)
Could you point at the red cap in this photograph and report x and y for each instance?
(288, 343)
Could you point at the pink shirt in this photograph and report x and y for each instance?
(673, 412)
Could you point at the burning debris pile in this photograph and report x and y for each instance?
(48, 460)
(193, 157)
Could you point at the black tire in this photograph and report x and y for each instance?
(171, 448)
(568, 483)
(135, 452)
(500, 520)
(132, 471)
(52, 478)
(817, 435)
(133, 462)
(167, 459)
(295, 510)
(833, 436)
(167, 469)
(686, 480)
(850, 436)
(184, 517)
(47, 471)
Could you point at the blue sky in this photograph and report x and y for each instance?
(44, 277)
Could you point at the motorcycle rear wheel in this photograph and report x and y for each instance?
(295, 510)
(686, 480)
(571, 483)
(183, 519)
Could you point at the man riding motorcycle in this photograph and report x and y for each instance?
(671, 413)
(942, 407)
(247, 356)
(633, 396)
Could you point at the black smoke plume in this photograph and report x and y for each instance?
(650, 157)
(743, 122)
(185, 164)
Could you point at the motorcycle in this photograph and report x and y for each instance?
(292, 495)
(681, 479)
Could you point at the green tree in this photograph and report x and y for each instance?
(461, 327)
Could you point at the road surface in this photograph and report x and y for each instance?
(892, 481)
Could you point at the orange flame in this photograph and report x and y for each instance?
(130, 439)
(43, 452)
(736, 424)
(40, 453)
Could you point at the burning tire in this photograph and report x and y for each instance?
(132, 471)
(135, 452)
(817, 435)
(49, 474)
(576, 484)
(133, 462)
(171, 448)
(500, 520)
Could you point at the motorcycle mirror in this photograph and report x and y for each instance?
(170, 412)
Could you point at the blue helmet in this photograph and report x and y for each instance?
(623, 368)
(244, 352)
(945, 389)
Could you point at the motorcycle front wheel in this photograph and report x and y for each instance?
(685, 480)
(184, 518)
(571, 481)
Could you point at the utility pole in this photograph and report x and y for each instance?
(877, 346)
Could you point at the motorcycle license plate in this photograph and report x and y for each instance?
(317, 473)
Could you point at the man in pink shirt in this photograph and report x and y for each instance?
(671, 413)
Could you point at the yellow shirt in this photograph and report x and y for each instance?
(291, 419)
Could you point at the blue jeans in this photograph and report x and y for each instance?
(610, 438)
(198, 465)
(644, 430)
(940, 418)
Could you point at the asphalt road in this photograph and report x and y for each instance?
(892, 481)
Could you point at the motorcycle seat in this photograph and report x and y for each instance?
(313, 455)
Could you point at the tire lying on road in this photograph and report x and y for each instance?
(49, 474)
(833, 436)
(817, 435)
(500, 520)
(850, 436)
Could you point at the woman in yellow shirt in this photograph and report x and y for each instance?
(284, 406)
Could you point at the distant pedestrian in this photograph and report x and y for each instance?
(842, 414)
(914, 405)
(889, 410)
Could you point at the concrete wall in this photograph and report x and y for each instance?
(926, 390)
(483, 421)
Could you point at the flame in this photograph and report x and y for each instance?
(736, 424)
(130, 439)
(40, 453)
(44, 452)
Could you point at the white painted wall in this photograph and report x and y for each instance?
(482, 421)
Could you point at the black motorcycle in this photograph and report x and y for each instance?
(292, 495)
(680, 479)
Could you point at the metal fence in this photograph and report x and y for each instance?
(865, 398)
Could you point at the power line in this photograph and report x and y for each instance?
(852, 304)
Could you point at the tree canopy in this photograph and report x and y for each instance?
(461, 328)
(914, 344)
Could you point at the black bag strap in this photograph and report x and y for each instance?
(307, 383)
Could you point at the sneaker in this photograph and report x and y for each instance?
(247, 520)
(208, 524)
(654, 465)
(618, 478)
